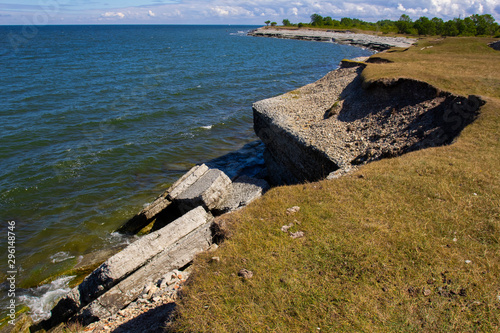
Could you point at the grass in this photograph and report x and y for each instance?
(409, 244)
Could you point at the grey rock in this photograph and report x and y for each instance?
(208, 191)
(126, 262)
(245, 274)
(162, 202)
(292, 210)
(298, 234)
(383, 119)
(495, 45)
(175, 256)
(183, 183)
(373, 42)
(242, 191)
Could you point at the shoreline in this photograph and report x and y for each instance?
(372, 42)
(363, 42)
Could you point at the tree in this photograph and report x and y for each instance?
(485, 24)
(404, 24)
(467, 27)
(328, 21)
(267, 22)
(300, 25)
(273, 24)
(316, 20)
(450, 28)
(425, 26)
(346, 22)
(438, 25)
(287, 23)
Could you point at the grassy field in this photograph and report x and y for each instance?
(409, 244)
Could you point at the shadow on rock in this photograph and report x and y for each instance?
(152, 321)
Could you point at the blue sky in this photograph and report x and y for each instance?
(43, 12)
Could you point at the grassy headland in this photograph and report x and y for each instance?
(405, 244)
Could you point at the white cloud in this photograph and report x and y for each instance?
(258, 11)
(219, 11)
(113, 14)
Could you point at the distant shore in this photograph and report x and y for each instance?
(372, 42)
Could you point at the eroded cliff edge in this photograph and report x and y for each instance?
(331, 126)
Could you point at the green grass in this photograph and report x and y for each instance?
(409, 244)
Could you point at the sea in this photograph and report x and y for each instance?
(97, 121)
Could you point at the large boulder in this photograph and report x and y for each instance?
(208, 191)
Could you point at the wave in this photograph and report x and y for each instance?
(40, 300)
(60, 257)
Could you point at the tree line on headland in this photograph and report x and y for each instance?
(474, 25)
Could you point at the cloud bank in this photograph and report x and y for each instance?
(258, 11)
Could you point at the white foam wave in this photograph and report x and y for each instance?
(207, 127)
(116, 238)
(42, 299)
(60, 257)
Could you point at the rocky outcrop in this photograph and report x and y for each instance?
(188, 206)
(495, 45)
(339, 122)
(373, 42)
(208, 185)
(108, 288)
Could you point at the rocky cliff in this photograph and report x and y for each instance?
(373, 42)
(332, 126)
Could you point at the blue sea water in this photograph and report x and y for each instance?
(95, 121)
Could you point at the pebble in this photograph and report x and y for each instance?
(151, 298)
(245, 274)
(292, 210)
(298, 234)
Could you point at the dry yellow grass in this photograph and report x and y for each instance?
(409, 244)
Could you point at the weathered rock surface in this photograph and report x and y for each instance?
(119, 280)
(495, 45)
(373, 42)
(151, 312)
(128, 261)
(243, 190)
(337, 123)
(201, 186)
(173, 257)
(208, 191)
(160, 204)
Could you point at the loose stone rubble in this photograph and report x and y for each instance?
(332, 126)
(151, 311)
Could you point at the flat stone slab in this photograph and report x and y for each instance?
(162, 202)
(174, 257)
(243, 191)
(209, 191)
(341, 37)
(185, 182)
(126, 262)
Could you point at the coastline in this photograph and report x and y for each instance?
(372, 42)
(347, 38)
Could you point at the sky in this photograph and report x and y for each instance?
(245, 12)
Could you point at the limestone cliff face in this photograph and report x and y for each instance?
(338, 123)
